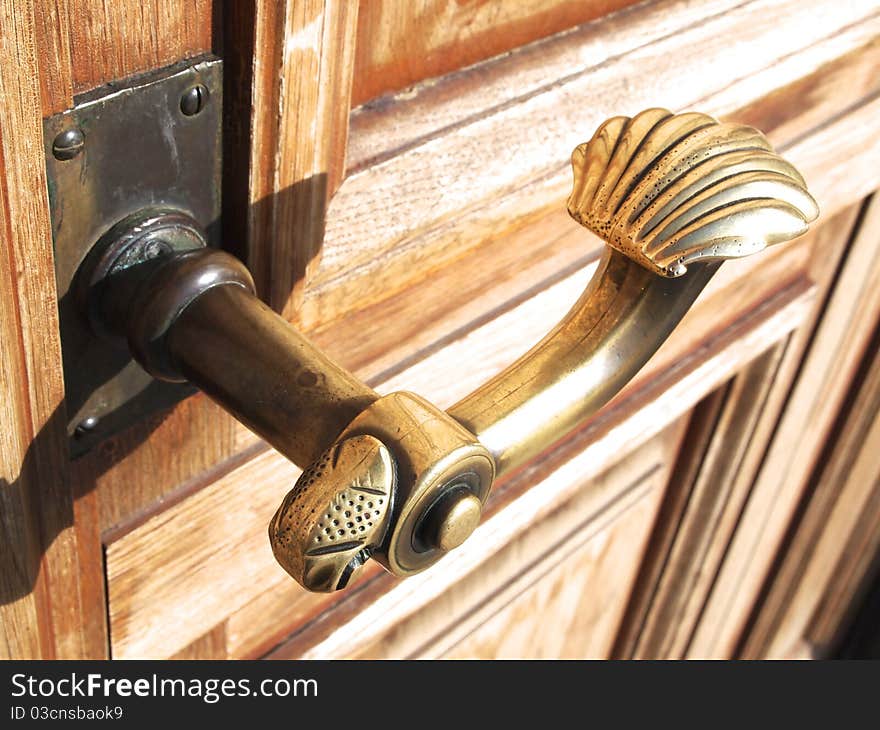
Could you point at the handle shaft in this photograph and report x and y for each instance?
(260, 369)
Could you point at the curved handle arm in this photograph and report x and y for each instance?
(619, 322)
(394, 478)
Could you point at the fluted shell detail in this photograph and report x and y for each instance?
(671, 189)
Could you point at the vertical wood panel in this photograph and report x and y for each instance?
(835, 351)
(688, 542)
(835, 538)
(79, 46)
(703, 421)
(687, 546)
(53, 46)
(42, 607)
(303, 61)
(850, 579)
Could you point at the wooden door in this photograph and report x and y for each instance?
(394, 177)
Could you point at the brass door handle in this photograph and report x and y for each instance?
(395, 478)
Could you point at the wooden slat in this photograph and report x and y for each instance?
(416, 210)
(702, 424)
(834, 353)
(797, 101)
(41, 603)
(716, 477)
(196, 576)
(850, 138)
(573, 569)
(489, 348)
(303, 61)
(835, 539)
(400, 43)
(426, 110)
(685, 564)
(847, 587)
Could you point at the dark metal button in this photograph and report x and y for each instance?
(68, 144)
(194, 100)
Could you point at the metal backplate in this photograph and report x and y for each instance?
(152, 141)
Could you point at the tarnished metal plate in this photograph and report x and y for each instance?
(127, 146)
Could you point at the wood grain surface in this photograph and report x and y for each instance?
(835, 351)
(113, 40)
(715, 477)
(446, 242)
(302, 71)
(400, 42)
(42, 607)
(572, 571)
(684, 550)
(578, 593)
(828, 553)
(88, 43)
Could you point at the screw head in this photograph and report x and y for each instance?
(155, 248)
(87, 425)
(68, 144)
(194, 100)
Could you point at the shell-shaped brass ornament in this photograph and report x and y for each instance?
(337, 512)
(669, 189)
